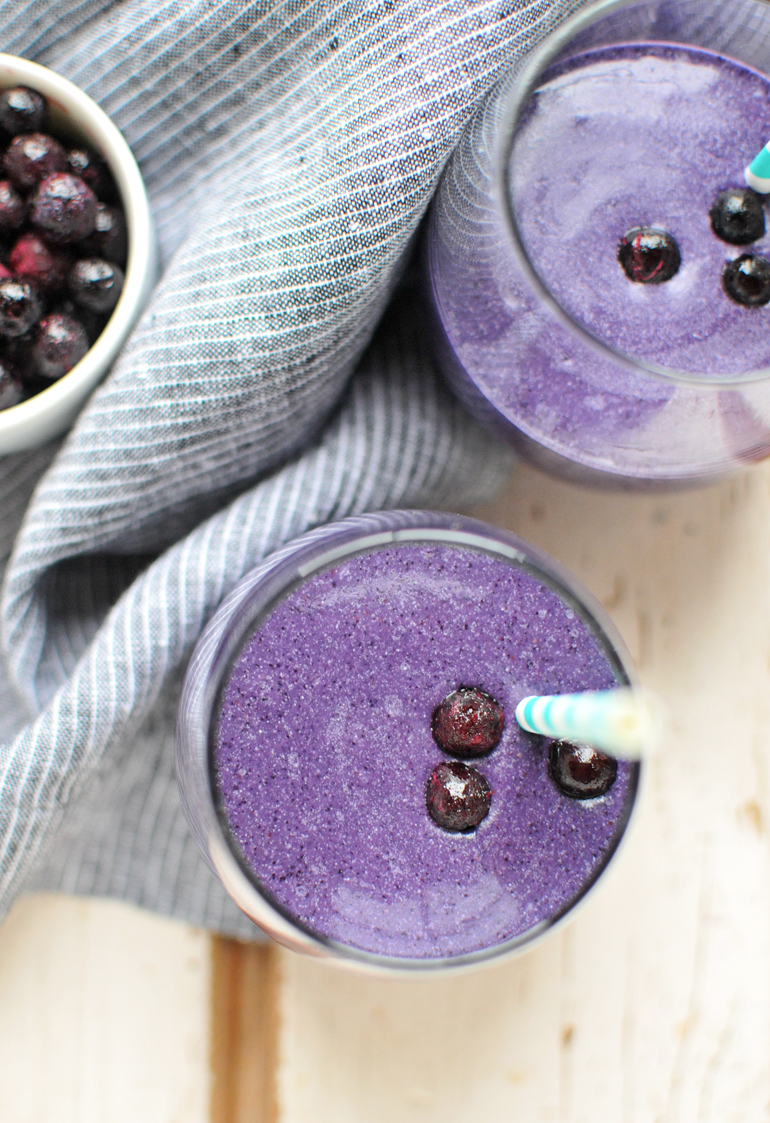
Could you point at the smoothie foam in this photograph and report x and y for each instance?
(323, 747)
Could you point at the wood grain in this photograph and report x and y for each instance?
(244, 1032)
(103, 1015)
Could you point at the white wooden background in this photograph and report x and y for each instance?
(652, 1007)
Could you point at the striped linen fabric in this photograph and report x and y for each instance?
(93, 775)
(290, 150)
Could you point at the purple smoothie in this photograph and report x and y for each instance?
(642, 134)
(323, 747)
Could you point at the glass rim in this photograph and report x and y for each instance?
(253, 598)
(523, 84)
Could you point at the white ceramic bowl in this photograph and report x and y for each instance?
(78, 119)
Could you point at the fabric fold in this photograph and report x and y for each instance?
(76, 782)
(290, 150)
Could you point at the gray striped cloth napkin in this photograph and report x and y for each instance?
(290, 149)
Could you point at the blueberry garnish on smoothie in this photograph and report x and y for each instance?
(580, 771)
(649, 256)
(737, 216)
(457, 796)
(469, 722)
(747, 280)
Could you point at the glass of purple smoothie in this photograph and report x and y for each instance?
(313, 727)
(582, 253)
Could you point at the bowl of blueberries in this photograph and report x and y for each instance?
(77, 250)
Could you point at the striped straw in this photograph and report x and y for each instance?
(625, 722)
(758, 172)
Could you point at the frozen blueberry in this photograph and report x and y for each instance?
(457, 796)
(11, 391)
(61, 342)
(95, 284)
(20, 306)
(737, 216)
(468, 722)
(64, 208)
(93, 171)
(22, 111)
(109, 239)
(747, 280)
(12, 207)
(93, 323)
(580, 771)
(649, 256)
(49, 207)
(32, 157)
(43, 265)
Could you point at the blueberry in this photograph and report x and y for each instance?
(93, 323)
(93, 171)
(580, 771)
(649, 256)
(22, 111)
(95, 284)
(48, 207)
(64, 208)
(109, 239)
(13, 210)
(457, 796)
(20, 307)
(747, 280)
(737, 216)
(468, 722)
(11, 392)
(61, 342)
(39, 263)
(32, 157)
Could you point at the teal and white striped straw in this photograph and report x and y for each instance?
(625, 722)
(758, 172)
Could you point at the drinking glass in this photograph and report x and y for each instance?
(550, 376)
(241, 617)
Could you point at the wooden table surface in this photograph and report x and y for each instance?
(653, 1006)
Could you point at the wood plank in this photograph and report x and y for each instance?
(244, 1032)
(103, 1015)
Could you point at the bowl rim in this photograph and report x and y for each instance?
(51, 411)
